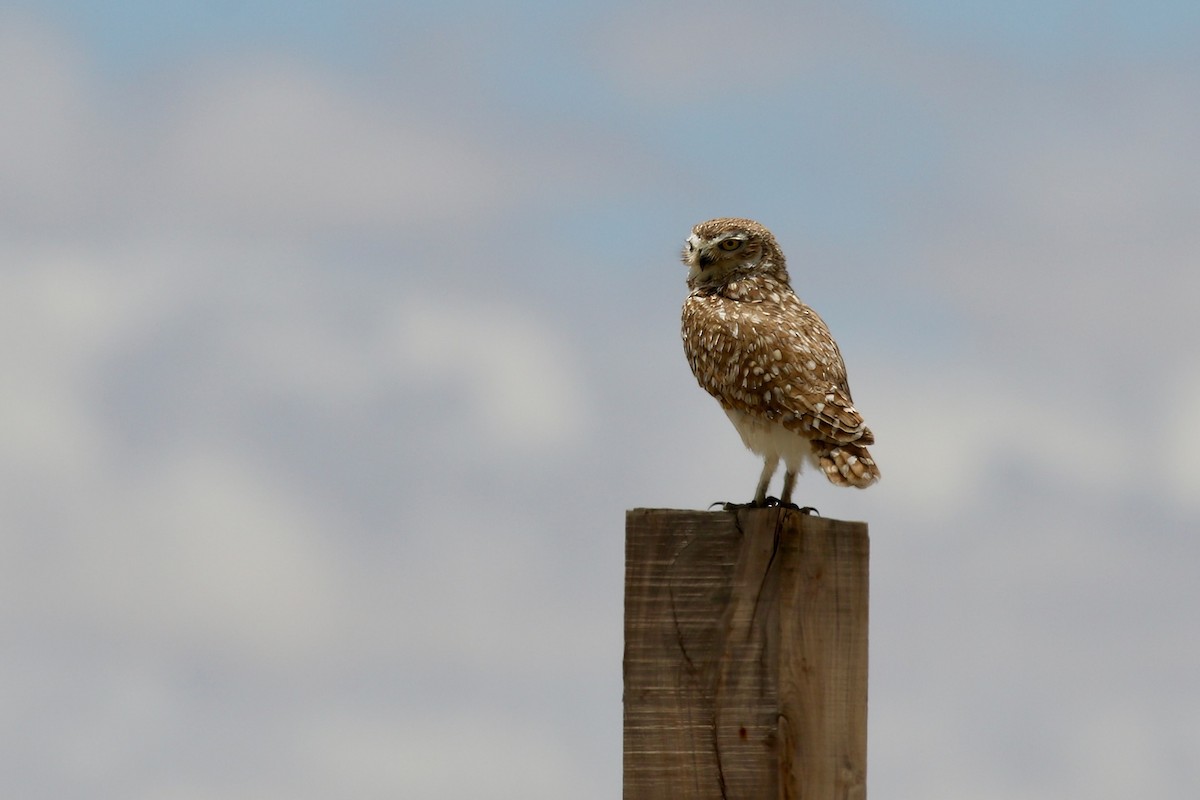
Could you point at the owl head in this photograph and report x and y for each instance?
(728, 249)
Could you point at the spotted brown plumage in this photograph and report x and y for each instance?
(769, 359)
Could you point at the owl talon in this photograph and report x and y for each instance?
(739, 506)
(771, 502)
(774, 502)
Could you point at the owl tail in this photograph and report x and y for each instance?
(846, 464)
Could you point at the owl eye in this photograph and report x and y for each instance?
(729, 245)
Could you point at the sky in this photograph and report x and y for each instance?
(338, 338)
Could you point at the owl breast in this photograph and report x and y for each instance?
(760, 351)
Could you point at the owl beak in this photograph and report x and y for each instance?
(705, 258)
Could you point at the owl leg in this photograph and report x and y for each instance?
(785, 497)
(789, 483)
(770, 463)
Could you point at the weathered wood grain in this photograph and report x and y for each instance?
(745, 656)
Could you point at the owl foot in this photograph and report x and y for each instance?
(775, 502)
(739, 506)
(731, 506)
(770, 502)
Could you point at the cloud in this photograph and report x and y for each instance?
(250, 147)
(1180, 441)
(64, 313)
(1065, 234)
(944, 428)
(51, 142)
(207, 553)
(512, 381)
(269, 145)
(423, 756)
(194, 541)
(717, 56)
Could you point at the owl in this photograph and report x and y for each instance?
(769, 359)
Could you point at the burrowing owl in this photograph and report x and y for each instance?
(769, 359)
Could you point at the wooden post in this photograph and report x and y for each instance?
(745, 656)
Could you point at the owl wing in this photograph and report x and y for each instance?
(777, 361)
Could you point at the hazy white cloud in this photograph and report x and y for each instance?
(50, 140)
(944, 428)
(252, 147)
(1180, 440)
(64, 311)
(1073, 240)
(263, 145)
(513, 380)
(443, 757)
(1116, 751)
(716, 56)
(205, 552)
(196, 543)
